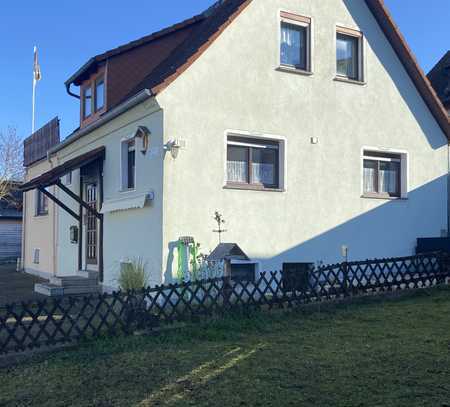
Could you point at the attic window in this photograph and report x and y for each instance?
(99, 93)
(349, 54)
(295, 47)
(87, 102)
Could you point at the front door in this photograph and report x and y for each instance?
(91, 225)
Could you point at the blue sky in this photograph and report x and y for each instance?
(68, 33)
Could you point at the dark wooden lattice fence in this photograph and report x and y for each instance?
(54, 321)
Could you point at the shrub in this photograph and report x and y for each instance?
(133, 275)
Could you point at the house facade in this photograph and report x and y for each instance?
(40, 235)
(309, 127)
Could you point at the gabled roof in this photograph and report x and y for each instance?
(439, 77)
(94, 62)
(210, 24)
(227, 251)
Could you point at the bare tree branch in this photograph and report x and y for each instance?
(11, 168)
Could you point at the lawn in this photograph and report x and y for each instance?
(375, 352)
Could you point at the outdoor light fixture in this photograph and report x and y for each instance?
(175, 146)
(344, 252)
(144, 134)
(73, 234)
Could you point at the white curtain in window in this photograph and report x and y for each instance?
(292, 43)
(370, 170)
(389, 177)
(237, 164)
(263, 173)
(263, 166)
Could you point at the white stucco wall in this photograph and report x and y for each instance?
(39, 232)
(131, 233)
(236, 85)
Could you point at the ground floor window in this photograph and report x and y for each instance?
(382, 174)
(253, 163)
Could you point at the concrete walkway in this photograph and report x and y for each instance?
(17, 287)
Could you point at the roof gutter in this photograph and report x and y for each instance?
(112, 114)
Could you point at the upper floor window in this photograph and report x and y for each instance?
(349, 54)
(87, 102)
(128, 165)
(382, 175)
(99, 94)
(253, 163)
(41, 204)
(295, 42)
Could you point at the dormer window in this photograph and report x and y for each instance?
(87, 102)
(99, 93)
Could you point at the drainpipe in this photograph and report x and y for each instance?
(24, 223)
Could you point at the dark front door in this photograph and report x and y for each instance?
(91, 224)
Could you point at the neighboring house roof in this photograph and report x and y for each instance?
(207, 26)
(439, 77)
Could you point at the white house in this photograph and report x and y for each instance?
(307, 124)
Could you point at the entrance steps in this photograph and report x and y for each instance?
(82, 283)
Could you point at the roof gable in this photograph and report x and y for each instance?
(209, 25)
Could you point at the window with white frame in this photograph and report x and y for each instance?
(41, 203)
(128, 165)
(383, 174)
(253, 163)
(295, 42)
(349, 54)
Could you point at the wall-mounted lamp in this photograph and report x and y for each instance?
(175, 146)
(74, 234)
(344, 252)
(143, 133)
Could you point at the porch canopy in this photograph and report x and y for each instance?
(53, 176)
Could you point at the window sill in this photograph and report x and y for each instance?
(288, 69)
(348, 80)
(127, 191)
(384, 198)
(252, 188)
(41, 215)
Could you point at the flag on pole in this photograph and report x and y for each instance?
(36, 67)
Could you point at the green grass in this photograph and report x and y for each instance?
(391, 352)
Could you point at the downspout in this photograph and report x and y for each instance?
(24, 223)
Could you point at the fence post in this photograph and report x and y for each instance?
(227, 284)
(345, 278)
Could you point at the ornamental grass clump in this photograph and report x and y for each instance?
(133, 275)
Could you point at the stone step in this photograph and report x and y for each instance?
(49, 290)
(87, 274)
(73, 281)
(81, 290)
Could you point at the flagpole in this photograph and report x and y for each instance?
(34, 96)
(33, 109)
